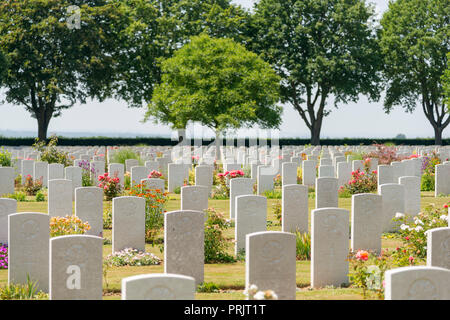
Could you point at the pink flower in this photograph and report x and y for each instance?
(362, 255)
(411, 259)
(406, 238)
(106, 174)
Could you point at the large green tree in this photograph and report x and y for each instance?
(218, 83)
(57, 56)
(446, 84)
(175, 22)
(113, 53)
(415, 40)
(320, 49)
(3, 67)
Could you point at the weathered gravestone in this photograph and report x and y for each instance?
(412, 194)
(442, 180)
(270, 262)
(265, 178)
(344, 173)
(128, 223)
(329, 247)
(326, 171)
(367, 222)
(137, 174)
(393, 201)
(251, 216)
(55, 171)
(438, 248)
(385, 175)
(308, 172)
(289, 173)
(239, 187)
(116, 170)
(7, 207)
(130, 163)
(89, 208)
(417, 283)
(176, 176)
(184, 244)
(27, 169)
(59, 198)
(6, 180)
(40, 172)
(28, 249)
(194, 198)
(159, 286)
(76, 268)
(75, 175)
(326, 193)
(294, 208)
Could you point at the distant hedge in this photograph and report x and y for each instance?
(158, 141)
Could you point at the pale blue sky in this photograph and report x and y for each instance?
(360, 119)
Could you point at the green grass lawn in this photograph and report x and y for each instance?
(230, 278)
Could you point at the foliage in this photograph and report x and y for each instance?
(31, 187)
(277, 181)
(110, 185)
(3, 256)
(40, 197)
(107, 216)
(127, 181)
(124, 154)
(18, 196)
(385, 154)
(414, 41)
(413, 231)
(27, 291)
(208, 287)
(446, 83)
(273, 194)
(361, 182)
(366, 271)
(177, 190)
(299, 175)
(303, 245)
(49, 153)
(86, 171)
(61, 226)
(218, 83)
(298, 36)
(277, 211)
(132, 257)
(429, 163)
(5, 158)
(73, 63)
(156, 175)
(215, 242)
(155, 204)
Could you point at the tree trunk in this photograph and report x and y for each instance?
(315, 133)
(438, 135)
(218, 144)
(42, 128)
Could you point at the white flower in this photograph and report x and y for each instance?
(418, 221)
(251, 291)
(418, 228)
(399, 215)
(259, 295)
(404, 227)
(444, 217)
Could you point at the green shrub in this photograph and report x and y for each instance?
(177, 190)
(40, 197)
(22, 292)
(272, 194)
(208, 287)
(18, 196)
(215, 242)
(277, 211)
(427, 182)
(107, 216)
(303, 245)
(124, 154)
(5, 157)
(49, 153)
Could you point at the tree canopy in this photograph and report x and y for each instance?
(446, 83)
(218, 83)
(415, 40)
(319, 48)
(113, 53)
